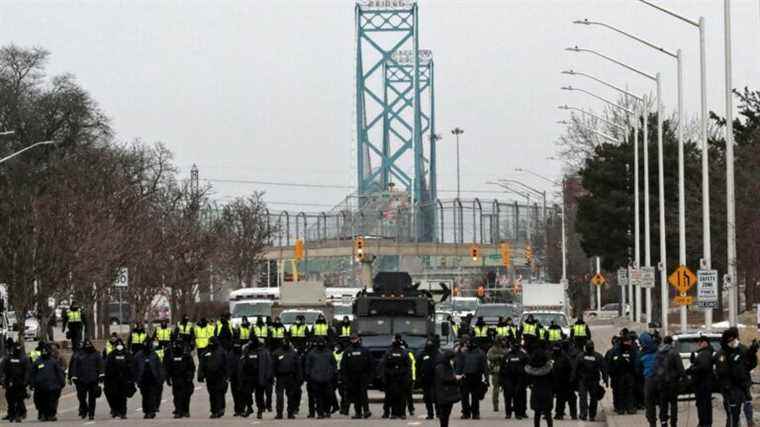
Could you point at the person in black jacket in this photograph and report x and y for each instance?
(623, 366)
(589, 370)
(180, 371)
(475, 375)
(539, 372)
(86, 373)
(119, 379)
(213, 370)
(668, 371)
(513, 381)
(255, 373)
(287, 370)
(396, 371)
(48, 379)
(320, 370)
(733, 365)
(236, 385)
(149, 375)
(703, 378)
(426, 359)
(357, 368)
(16, 373)
(561, 372)
(446, 386)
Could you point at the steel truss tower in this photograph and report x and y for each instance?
(395, 113)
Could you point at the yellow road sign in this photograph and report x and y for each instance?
(683, 300)
(682, 279)
(598, 279)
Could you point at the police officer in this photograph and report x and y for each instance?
(16, 373)
(703, 377)
(475, 376)
(480, 334)
(119, 379)
(622, 368)
(236, 384)
(320, 370)
(213, 370)
(48, 379)
(185, 331)
(589, 370)
(287, 369)
(163, 334)
(733, 364)
(615, 341)
(453, 326)
(514, 381)
(256, 373)
(465, 329)
(554, 334)
(563, 390)
(396, 372)
(426, 359)
(74, 321)
(149, 373)
(321, 330)
(344, 331)
(110, 344)
(495, 357)
(580, 333)
(137, 338)
(338, 384)
(203, 332)
(261, 331)
(299, 334)
(180, 371)
(86, 372)
(243, 331)
(357, 368)
(530, 333)
(223, 332)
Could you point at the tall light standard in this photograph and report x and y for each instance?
(17, 153)
(664, 291)
(456, 132)
(609, 138)
(706, 244)
(637, 221)
(681, 185)
(733, 300)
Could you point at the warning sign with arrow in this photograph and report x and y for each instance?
(598, 279)
(682, 279)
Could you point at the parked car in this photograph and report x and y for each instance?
(686, 344)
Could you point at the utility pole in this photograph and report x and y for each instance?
(456, 132)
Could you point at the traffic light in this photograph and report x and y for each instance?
(359, 247)
(505, 254)
(474, 252)
(529, 254)
(299, 250)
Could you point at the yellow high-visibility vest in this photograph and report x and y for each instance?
(480, 331)
(219, 327)
(74, 316)
(529, 329)
(579, 330)
(320, 329)
(414, 365)
(109, 348)
(338, 356)
(202, 336)
(278, 332)
(513, 330)
(164, 334)
(298, 331)
(34, 355)
(139, 337)
(555, 335)
(245, 333)
(502, 331)
(261, 331)
(455, 328)
(186, 329)
(345, 331)
(160, 354)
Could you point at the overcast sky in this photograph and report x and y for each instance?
(263, 89)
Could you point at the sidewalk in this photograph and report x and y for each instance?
(687, 414)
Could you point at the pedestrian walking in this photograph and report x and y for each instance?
(119, 379)
(446, 386)
(495, 357)
(16, 371)
(137, 338)
(514, 382)
(48, 379)
(426, 376)
(358, 369)
(73, 325)
(623, 366)
(256, 373)
(580, 333)
(185, 331)
(668, 373)
(224, 333)
(589, 371)
(213, 369)
(288, 372)
(86, 372)
(474, 382)
(320, 370)
(203, 332)
(163, 334)
(733, 364)
(703, 378)
(540, 380)
(180, 371)
(239, 400)
(563, 388)
(149, 373)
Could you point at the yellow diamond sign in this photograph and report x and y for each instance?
(682, 279)
(598, 279)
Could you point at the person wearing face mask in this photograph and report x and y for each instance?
(357, 368)
(256, 373)
(236, 385)
(733, 364)
(119, 379)
(514, 381)
(624, 363)
(344, 331)
(185, 331)
(180, 371)
(396, 371)
(495, 357)
(563, 390)
(447, 391)
(213, 370)
(86, 372)
(320, 370)
(589, 370)
(243, 331)
(163, 334)
(203, 333)
(223, 332)
(137, 338)
(277, 333)
(16, 372)
(322, 330)
(48, 379)
(426, 359)
(149, 373)
(298, 334)
(287, 369)
(703, 376)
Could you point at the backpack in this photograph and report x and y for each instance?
(661, 374)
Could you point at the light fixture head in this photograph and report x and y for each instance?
(583, 21)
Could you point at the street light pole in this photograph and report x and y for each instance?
(36, 144)
(733, 303)
(664, 294)
(456, 132)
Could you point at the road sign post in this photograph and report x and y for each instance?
(707, 289)
(635, 280)
(122, 282)
(622, 278)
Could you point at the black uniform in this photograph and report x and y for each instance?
(703, 377)
(514, 382)
(358, 369)
(185, 332)
(446, 387)
(73, 319)
(48, 378)
(180, 371)
(86, 372)
(475, 375)
(563, 390)
(426, 359)
(16, 374)
(623, 365)
(589, 370)
(119, 380)
(236, 384)
(320, 370)
(255, 373)
(396, 371)
(287, 369)
(149, 374)
(539, 375)
(733, 364)
(214, 371)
